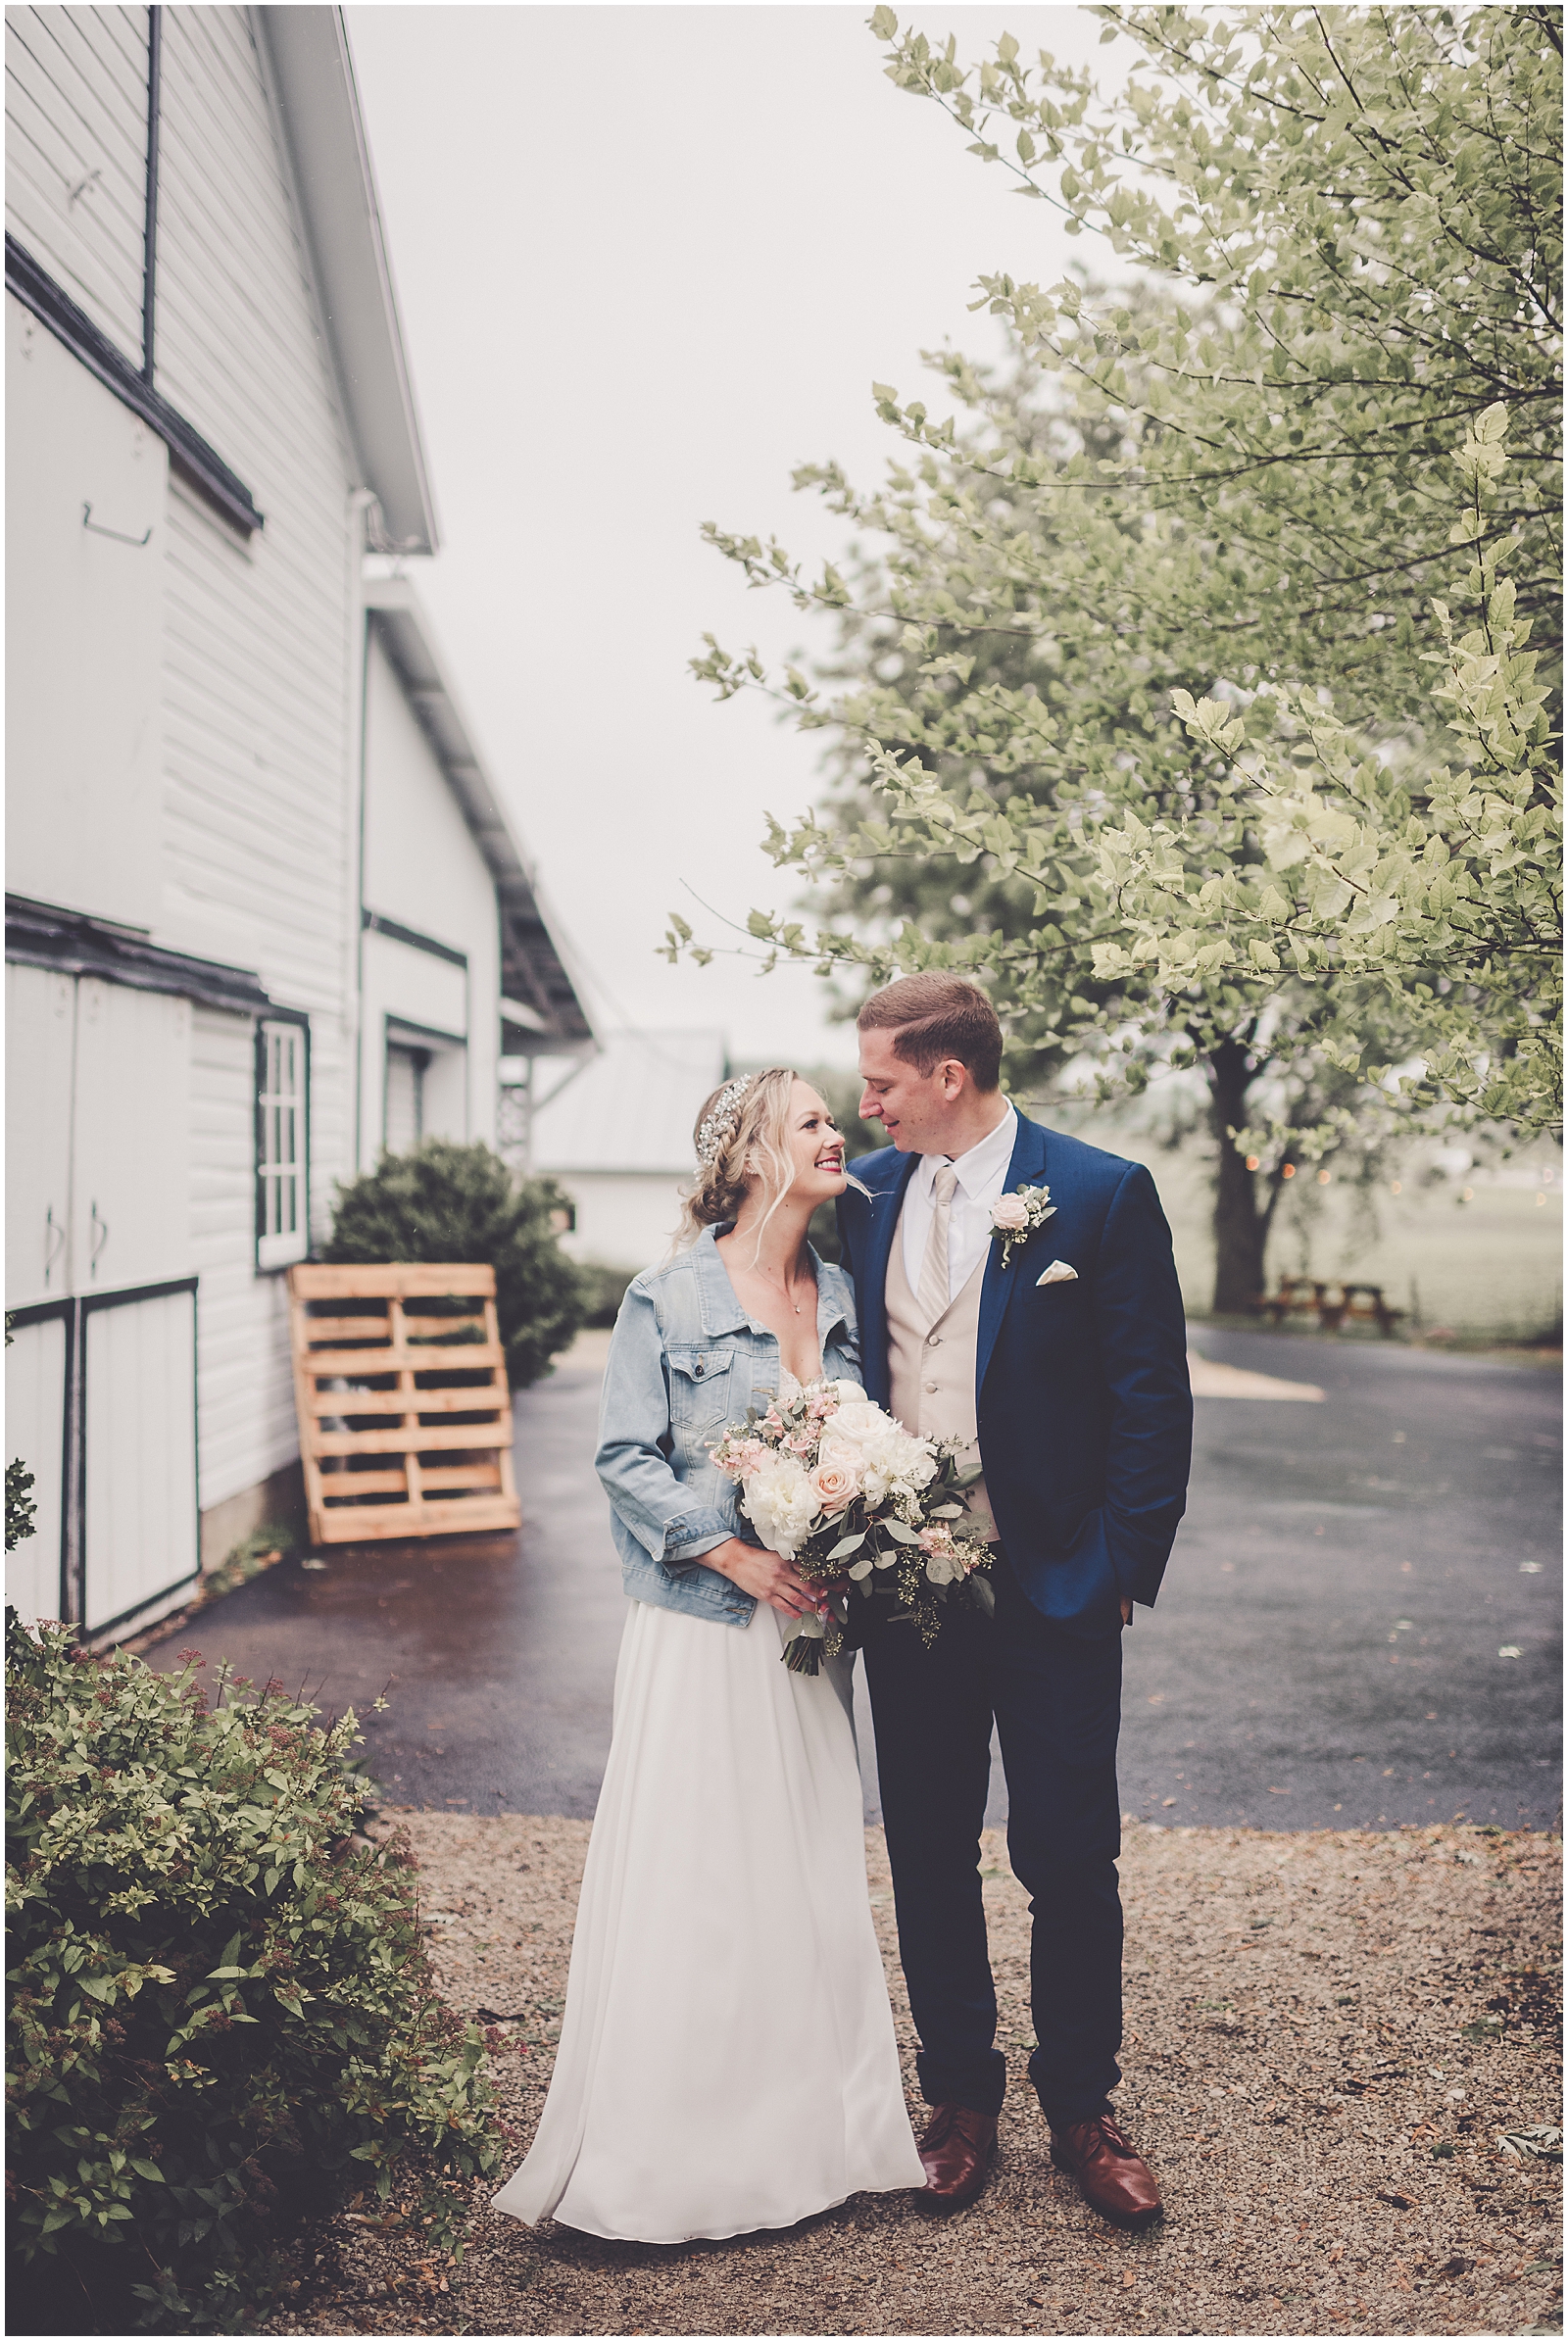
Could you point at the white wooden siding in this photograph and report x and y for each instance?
(84, 635)
(261, 794)
(77, 120)
(422, 863)
(423, 867)
(247, 1393)
(36, 1396)
(140, 1526)
(238, 348)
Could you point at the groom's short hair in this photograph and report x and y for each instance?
(933, 1016)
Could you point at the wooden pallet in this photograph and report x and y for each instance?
(404, 1415)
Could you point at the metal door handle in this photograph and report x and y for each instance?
(54, 1243)
(100, 1237)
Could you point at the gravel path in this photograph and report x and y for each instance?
(1326, 2035)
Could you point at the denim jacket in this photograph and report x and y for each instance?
(685, 1359)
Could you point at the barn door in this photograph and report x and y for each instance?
(138, 1465)
(40, 1072)
(101, 1381)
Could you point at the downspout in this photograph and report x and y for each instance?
(361, 500)
(149, 262)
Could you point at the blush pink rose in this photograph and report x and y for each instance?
(838, 1477)
(1011, 1213)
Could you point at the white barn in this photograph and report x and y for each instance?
(265, 912)
(616, 1135)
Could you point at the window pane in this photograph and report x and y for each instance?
(281, 1138)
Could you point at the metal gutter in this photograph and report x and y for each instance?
(313, 71)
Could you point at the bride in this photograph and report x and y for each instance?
(726, 2060)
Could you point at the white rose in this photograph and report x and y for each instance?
(861, 1419)
(847, 1392)
(781, 1504)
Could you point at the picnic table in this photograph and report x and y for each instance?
(1334, 1301)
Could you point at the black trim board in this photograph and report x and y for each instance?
(372, 922)
(92, 1302)
(190, 452)
(41, 935)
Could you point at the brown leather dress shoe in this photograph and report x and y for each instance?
(958, 2150)
(1113, 2178)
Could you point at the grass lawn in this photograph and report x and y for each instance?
(1489, 1268)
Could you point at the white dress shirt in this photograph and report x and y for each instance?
(982, 1175)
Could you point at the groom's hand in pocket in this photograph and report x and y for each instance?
(766, 1574)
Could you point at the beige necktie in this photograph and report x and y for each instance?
(933, 1293)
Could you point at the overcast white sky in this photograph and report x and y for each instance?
(647, 259)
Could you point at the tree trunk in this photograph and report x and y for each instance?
(1240, 1229)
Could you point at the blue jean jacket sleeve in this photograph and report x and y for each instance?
(634, 1444)
(1141, 1330)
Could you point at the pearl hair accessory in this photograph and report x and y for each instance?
(722, 1120)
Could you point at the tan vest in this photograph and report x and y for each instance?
(931, 1367)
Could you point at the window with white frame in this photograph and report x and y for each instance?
(283, 1105)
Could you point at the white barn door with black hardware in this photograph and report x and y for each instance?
(101, 1399)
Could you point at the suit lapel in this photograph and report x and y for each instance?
(1026, 1168)
(883, 1214)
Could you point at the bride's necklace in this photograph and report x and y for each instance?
(784, 1288)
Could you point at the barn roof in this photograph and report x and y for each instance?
(631, 1108)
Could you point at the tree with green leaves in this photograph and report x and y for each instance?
(1237, 483)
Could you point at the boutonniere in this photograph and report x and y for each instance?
(1015, 1217)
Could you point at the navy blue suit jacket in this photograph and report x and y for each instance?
(1082, 1403)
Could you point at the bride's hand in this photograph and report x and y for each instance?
(767, 1575)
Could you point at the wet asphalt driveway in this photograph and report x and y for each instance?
(1360, 1621)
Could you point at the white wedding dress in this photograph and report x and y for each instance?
(728, 2060)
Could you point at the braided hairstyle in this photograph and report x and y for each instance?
(747, 1147)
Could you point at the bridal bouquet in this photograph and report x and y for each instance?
(867, 1513)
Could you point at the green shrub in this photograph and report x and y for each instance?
(221, 2009)
(604, 1290)
(21, 1513)
(442, 1202)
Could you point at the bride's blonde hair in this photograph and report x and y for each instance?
(741, 1138)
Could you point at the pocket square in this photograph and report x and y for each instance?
(1059, 1273)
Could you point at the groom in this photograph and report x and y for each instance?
(1065, 1367)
